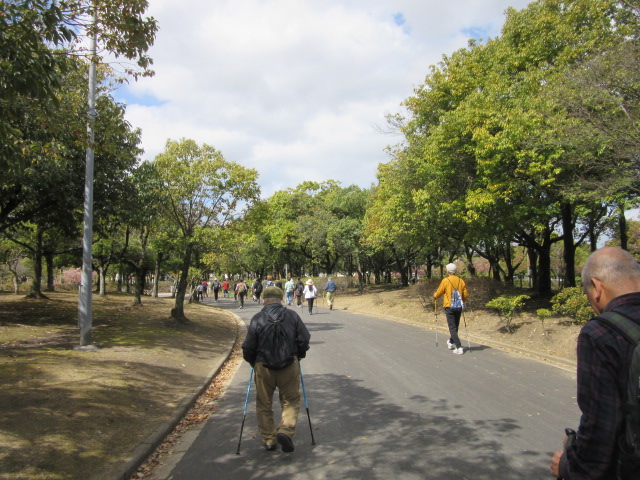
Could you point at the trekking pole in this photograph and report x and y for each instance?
(435, 310)
(306, 403)
(244, 413)
(466, 332)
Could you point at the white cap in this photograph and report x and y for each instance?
(451, 268)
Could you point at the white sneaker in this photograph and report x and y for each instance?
(458, 351)
(450, 345)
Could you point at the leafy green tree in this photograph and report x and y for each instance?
(201, 192)
(141, 215)
(394, 222)
(11, 255)
(49, 192)
(479, 128)
(31, 72)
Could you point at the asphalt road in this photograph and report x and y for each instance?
(385, 403)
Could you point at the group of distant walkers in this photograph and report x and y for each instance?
(294, 292)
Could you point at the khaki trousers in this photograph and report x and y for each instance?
(330, 296)
(287, 381)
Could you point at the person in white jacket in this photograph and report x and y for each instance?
(310, 293)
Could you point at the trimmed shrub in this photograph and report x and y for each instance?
(572, 302)
(506, 306)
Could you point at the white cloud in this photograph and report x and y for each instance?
(295, 88)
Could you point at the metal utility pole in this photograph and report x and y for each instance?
(85, 307)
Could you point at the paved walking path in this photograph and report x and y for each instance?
(386, 403)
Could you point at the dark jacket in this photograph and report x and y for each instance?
(604, 358)
(254, 345)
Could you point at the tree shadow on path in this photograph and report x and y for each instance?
(359, 435)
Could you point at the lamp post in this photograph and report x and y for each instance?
(85, 307)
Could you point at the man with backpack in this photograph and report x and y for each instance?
(257, 290)
(289, 287)
(240, 291)
(330, 289)
(608, 374)
(216, 289)
(455, 293)
(276, 340)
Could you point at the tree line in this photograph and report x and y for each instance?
(512, 148)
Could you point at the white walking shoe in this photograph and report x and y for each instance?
(458, 351)
(450, 345)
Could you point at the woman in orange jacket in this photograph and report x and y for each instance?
(447, 287)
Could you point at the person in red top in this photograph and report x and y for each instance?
(225, 289)
(446, 288)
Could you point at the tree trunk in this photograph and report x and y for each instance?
(593, 239)
(103, 280)
(138, 290)
(36, 285)
(468, 251)
(156, 275)
(121, 278)
(50, 272)
(495, 270)
(429, 266)
(569, 253)
(622, 226)
(544, 264)
(360, 273)
(508, 261)
(178, 310)
(533, 267)
(16, 283)
(402, 266)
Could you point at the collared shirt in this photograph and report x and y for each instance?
(604, 357)
(330, 286)
(289, 286)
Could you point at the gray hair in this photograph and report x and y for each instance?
(609, 264)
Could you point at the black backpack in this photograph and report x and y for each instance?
(629, 442)
(278, 351)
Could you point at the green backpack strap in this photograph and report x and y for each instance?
(628, 328)
(629, 457)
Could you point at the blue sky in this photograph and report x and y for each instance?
(297, 89)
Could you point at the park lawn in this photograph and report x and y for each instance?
(70, 414)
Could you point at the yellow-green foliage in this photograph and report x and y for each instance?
(572, 302)
(544, 313)
(506, 306)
